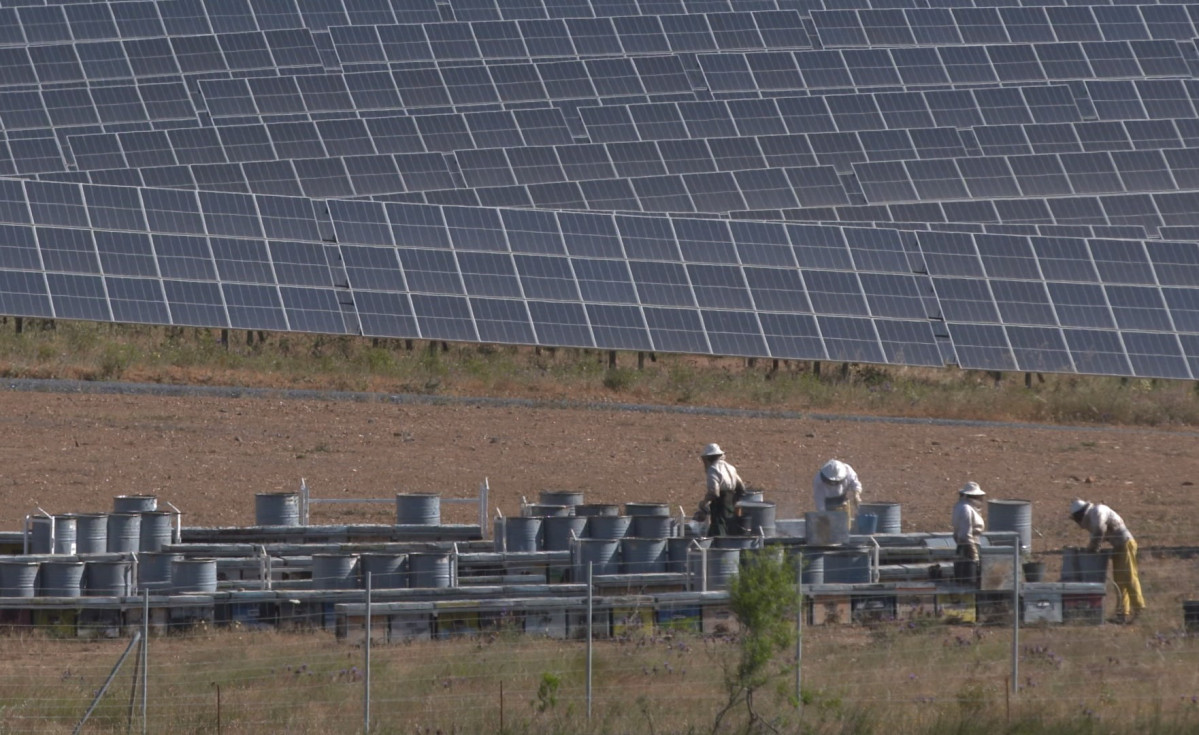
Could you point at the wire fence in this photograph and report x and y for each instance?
(898, 672)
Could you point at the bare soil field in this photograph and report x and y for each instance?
(210, 455)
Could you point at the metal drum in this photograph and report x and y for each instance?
(722, 566)
(124, 532)
(91, 533)
(652, 526)
(388, 571)
(193, 575)
(757, 517)
(18, 577)
(154, 569)
(545, 511)
(556, 531)
(608, 527)
(646, 509)
(813, 566)
(1011, 515)
(61, 578)
(334, 571)
(134, 503)
(107, 578)
(561, 497)
(418, 509)
(64, 535)
(429, 570)
(155, 530)
(277, 509)
(522, 533)
(597, 509)
(600, 553)
(888, 514)
(642, 555)
(848, 565)
(676, 551)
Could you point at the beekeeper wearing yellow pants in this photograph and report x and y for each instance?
(1104, 524)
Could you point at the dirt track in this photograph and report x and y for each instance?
(210, 455)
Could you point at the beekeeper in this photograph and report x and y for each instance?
(1104, 524)
(724, 489)
(968, 526)
(836, 487)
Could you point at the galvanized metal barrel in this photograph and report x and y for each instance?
(124, 532)
(609, 527)
(813, 566)
(652, 526)
(155, 530)
(418, 509)
(523, 533)
(642, 555)
(722, 566)
(193, 575)
(154, 569)
(429, 569)
(561, 497)
(847, 565)
(888, 514)
(754, 497)
(676, 551)
(277, 509)
(757, 517)
(597, 509)
(61, 578)
(134, 503)
(63, 528)
(334, 571)
(91, 533)
(1011, 515)
(646, 509)
(18, 577)
(107, 578)
(557, 529)
(603, 554)
(39, 535)
(388, 571)
(545, 511)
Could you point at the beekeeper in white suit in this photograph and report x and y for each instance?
(836, 487)
(968, 526)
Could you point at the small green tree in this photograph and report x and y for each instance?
(765, 601)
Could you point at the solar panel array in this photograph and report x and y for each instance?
(1005, 186)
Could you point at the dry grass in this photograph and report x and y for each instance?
(890, 678)
(87, 351)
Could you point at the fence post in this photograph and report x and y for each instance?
(107, 683)
(1016, 615)
(799, 631)
(366, 676)
(590, 615)
(145, 655)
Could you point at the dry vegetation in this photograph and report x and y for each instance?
(87, 351)
(211, 454)
(888, 678)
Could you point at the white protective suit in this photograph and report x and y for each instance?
(968, 523)
(850, 488)
(1104, 524)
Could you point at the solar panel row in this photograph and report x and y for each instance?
(984, 127)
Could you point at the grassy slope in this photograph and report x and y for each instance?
(87, 351)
